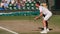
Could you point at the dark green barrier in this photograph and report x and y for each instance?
(22, 13)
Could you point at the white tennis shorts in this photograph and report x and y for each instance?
(46, 17)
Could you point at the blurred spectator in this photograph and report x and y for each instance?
(8, 1)
(18, 4)
(5, 5)
(2, 3)
(12, 1)
(24, 0)
(23, 3)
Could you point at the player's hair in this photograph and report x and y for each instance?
(38, 3)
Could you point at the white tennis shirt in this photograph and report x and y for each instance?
(44, 10)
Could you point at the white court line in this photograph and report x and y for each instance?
(8, 30)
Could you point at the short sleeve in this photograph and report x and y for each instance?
(40, 8)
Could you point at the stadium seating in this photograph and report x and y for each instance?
(28, 6)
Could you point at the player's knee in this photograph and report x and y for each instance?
(44, 20)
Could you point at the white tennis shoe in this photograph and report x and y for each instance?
(44, 31)
(47, 30)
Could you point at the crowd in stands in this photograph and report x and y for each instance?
(16, 4)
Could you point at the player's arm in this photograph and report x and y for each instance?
(41, 10)
(39, 16)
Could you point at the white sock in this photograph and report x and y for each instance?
(47, 28)
(44, 28)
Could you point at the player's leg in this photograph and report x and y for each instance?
(45, 24)
(45, 21)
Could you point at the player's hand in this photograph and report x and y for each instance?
(36, 18)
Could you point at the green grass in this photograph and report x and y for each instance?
(40, 33)
(4, 32)
(16, 17)
(54, 20)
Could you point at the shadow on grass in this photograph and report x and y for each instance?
(43, 28)
(40, 29)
